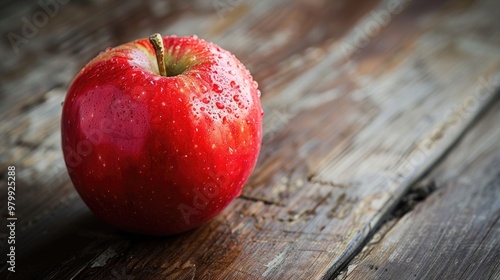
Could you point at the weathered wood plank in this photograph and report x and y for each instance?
(340, 122)
(455, 232)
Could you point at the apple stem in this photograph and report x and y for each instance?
(157, 43)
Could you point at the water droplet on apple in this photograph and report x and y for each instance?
(232, 84)
(259, 93)
(248, 121)
(193, 36)
(236, 115)
(224, 120)
(219, 105)
(205, 100)
(255, 84)
(202, 108)
(236, 98)
(180, 99)
(216, 88)
(261, 112)
(204, 89)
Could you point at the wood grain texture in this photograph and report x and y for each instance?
(360, 99)
(453, 234)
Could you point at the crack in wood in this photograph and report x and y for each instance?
(311, 178)
(263, 200)
(328, 183)
(415, 196)
(30, 146)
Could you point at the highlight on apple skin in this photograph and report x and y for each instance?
(159, 135)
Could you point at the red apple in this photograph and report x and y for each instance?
(160, 140)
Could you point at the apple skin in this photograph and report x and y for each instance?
(161, 155)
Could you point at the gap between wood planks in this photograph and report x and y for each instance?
(410, 193)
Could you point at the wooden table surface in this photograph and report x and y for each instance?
(380, 157)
